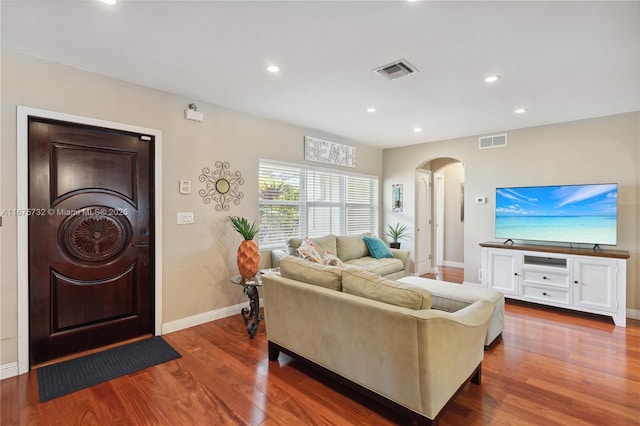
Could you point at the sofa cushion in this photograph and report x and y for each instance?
(322, 244)
(299, 269)
(351, 247)
(367, 284)
(382, 267)
(377, 247)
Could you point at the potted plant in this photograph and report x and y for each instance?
(248, 253)
(396, 232)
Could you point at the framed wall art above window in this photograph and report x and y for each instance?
(329, 152)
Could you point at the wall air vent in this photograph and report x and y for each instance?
(494, 141)
(396, 69)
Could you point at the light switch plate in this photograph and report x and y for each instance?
(185, 186)
(185, 218)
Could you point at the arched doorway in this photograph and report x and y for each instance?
(439, 215)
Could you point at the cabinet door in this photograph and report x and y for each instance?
(502, 268)
(594, 283)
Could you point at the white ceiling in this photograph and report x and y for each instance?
(560, 60)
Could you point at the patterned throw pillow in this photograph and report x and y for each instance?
(330, 258)
(309, 252)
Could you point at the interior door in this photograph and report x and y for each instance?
(423, 252)
(91, 233)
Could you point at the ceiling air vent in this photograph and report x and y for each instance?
(396, 69)
(494, 141)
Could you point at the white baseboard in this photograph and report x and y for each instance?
(453, 264)
(633, 313)
(8, 370)
(181, 324)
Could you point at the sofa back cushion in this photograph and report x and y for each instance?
(352, 247)
(360, 282)
(299, 269)
(322, 244)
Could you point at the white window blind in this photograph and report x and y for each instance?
(281, 212)
(296, 202)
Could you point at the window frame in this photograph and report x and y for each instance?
(305, 205)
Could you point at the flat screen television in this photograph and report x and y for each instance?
(586, 214)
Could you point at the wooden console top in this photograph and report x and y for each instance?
(619, 254)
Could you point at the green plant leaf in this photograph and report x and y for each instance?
(397, 232)
(243, 227)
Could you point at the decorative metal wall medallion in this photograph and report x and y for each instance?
(93, 235)
(221, 186)
(329, 152)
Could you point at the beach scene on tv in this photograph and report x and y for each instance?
(571, 214)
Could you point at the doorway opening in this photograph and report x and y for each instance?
(440, 215)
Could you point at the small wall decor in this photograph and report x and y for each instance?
(396, 197)
(221, 186)
(329, 152)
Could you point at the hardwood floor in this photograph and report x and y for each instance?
(551, 368)
(447, 273)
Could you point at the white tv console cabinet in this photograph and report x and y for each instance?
(580, 279)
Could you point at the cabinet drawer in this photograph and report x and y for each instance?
(546, 295)
(547, 278)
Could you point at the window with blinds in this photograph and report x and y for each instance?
(296, 202)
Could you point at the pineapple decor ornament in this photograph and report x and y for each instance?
(248, 254)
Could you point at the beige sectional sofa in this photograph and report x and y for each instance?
(377, 336)
(353, 251)
(453, 297)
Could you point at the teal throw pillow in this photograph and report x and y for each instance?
(377, 247)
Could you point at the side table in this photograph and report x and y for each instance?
(250, 288)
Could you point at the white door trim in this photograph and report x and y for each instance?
(22, 141)
(439, 213)
(423, 225)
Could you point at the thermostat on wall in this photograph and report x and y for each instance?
(185, 187)
(481, 200)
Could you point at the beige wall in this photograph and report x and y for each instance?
(198, 259)
(605, 149)
(453, 226)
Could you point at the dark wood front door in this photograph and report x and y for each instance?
(90, 237)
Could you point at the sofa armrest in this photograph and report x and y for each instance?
(404, 255)
(476, 314)
(276, 256)
(452, 348)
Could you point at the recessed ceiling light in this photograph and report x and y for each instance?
(492, 79)
(371, 110)
(417, 129)
(109, 2)
(520, 110)
(273, 68)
